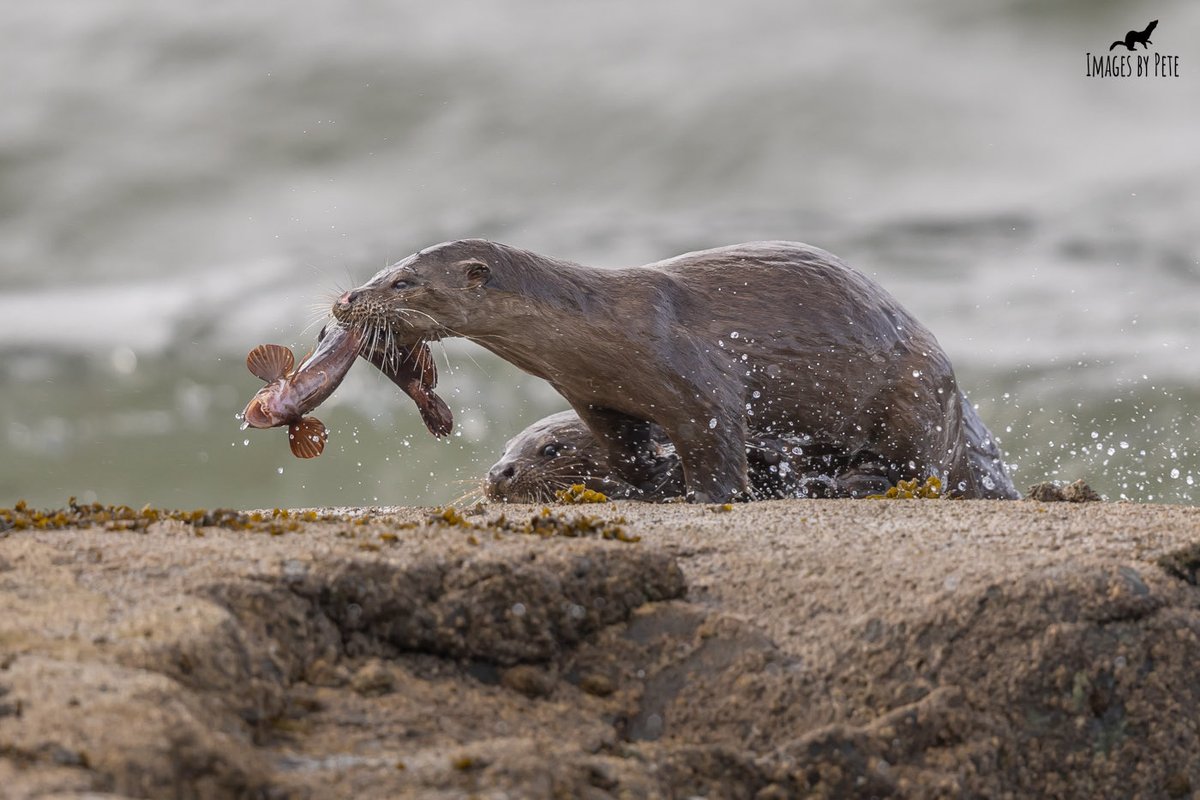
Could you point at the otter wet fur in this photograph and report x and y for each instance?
(1136, 37)
(768, 338)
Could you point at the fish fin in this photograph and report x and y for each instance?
(434, 412)
(414, 370)
(270, 362)
(307, 437)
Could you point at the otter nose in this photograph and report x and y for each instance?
(347, 298)
(500, 477)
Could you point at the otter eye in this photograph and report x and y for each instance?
(401, 283)
(477, 273)
(550, 450)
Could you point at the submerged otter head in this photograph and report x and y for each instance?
(552, 454)
(426, 296)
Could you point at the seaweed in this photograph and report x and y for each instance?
(545, 523)
(122, 517)
(578, 493)
(279, 521)
(931, 489)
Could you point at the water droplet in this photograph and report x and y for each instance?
(712, 424)
(245, 442)
(1174, 472)
(243, 426)
(279, 470)
(916, 373)
(733, 335)
(518, 609)
(1095, 435)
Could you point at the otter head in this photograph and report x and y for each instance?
(551, 454)
(428, 295)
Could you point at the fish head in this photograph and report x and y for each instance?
(269, 408)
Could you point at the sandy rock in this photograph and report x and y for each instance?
(816, 648)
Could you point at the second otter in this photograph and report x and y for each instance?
(770, 338)
(559, 451)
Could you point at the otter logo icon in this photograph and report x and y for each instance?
(1135, 37)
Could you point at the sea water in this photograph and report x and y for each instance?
(178, 185)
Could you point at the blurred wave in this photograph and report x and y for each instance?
(177, 185)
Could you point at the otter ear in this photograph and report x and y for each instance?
(476, 272)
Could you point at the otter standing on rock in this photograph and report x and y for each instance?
(774, 338)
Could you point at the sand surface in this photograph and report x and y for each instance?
(926, 648)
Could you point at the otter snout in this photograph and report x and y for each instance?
(346, 300)
(500, 479)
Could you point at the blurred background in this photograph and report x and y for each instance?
(179, 184)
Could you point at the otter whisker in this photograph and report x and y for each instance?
(320, 319)
(374, 340)
(400, 310)
(474, 494)
(445, 356)
(477, 364)
(394, 352)
(325, 274)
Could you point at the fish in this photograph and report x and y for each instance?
(290, 394)
(415, 372)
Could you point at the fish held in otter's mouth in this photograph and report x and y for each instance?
(290, 394)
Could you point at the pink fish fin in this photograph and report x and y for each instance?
(270, 362)
(307, 437)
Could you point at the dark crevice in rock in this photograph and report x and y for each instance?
(1183, 563)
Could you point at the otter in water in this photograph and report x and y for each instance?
(559, 451)
(768, 338)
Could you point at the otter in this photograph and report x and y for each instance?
(559, 451)
(764, 338)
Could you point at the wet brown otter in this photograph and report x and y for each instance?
(774, 338)
(559, 451)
